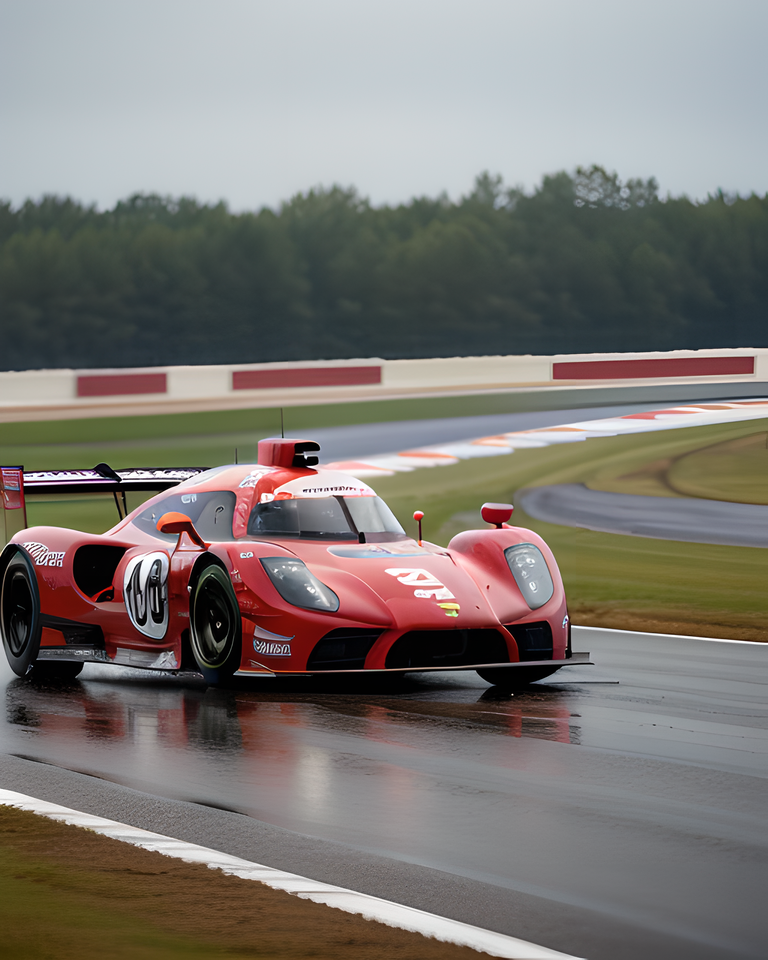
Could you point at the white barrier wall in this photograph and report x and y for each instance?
(305, 380)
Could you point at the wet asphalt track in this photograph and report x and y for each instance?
(617, 813)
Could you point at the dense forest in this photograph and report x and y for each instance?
(583, 263)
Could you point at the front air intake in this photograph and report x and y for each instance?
(534, 640)
(343, 649)
(447, 648)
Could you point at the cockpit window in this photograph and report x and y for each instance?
(211, 514)
(373, 517)
(326, 518)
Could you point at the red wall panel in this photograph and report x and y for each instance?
(661, 367)
(304, 377)
(118, 384)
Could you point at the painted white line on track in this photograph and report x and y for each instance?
(585, 630)
(372, 908)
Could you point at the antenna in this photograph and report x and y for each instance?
(418, 516)
(235, 454)
(282, 425)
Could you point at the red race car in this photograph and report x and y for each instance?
(277, 568)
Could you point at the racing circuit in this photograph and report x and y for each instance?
(613, 812)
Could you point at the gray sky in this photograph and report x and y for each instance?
(252, 101)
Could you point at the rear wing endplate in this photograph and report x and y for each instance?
(13, 508)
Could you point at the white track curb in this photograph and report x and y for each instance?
(372, 908)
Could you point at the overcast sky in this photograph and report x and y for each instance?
(251, 101)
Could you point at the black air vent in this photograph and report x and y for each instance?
(534, 640)
(447, 648)
(75, 634)
(94, 567)
(343, 649)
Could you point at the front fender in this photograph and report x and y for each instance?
(481, 554)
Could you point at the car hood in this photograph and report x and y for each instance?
(420, 586)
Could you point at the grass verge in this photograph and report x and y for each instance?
(66, 892)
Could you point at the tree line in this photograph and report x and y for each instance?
(584, 262)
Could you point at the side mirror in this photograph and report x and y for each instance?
(496, 513)
(180, 523)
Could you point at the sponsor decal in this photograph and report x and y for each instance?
(451, 609)
(247, 555)
(189, 498)
(44, 557)
(314, 491)
(426, 585)
(271, 648)
(326, 484)
(145, 589)
(254, 476)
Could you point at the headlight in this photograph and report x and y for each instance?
(529, 568)
(298, 586)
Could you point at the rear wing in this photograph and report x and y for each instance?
(16, 485)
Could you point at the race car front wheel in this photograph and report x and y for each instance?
(20, 614)
(215, 629)
(516, 677)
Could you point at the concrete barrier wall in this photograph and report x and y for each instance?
(373, 377)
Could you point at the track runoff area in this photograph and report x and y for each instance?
(370, 908)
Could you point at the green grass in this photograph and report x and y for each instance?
(736, 470)
(729, 459)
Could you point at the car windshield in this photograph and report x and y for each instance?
(367, 519)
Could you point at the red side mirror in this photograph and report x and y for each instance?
(180, 523)
(496, 513)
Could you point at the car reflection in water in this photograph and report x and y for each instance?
(177, 714)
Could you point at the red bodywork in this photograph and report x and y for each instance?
(440, 603)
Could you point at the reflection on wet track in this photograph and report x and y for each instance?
(634, 790)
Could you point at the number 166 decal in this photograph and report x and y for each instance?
(146, 594)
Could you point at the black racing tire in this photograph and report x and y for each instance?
(55, 671)
(215, 633)
(515, 678)
(20, 614)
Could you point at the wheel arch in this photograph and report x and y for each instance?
(9, 551)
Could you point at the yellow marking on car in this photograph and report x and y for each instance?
(451, 609)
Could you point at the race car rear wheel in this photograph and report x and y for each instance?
(516, 677)
(20, 614)
(215, 633)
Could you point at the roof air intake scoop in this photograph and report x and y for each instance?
(275, 452)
